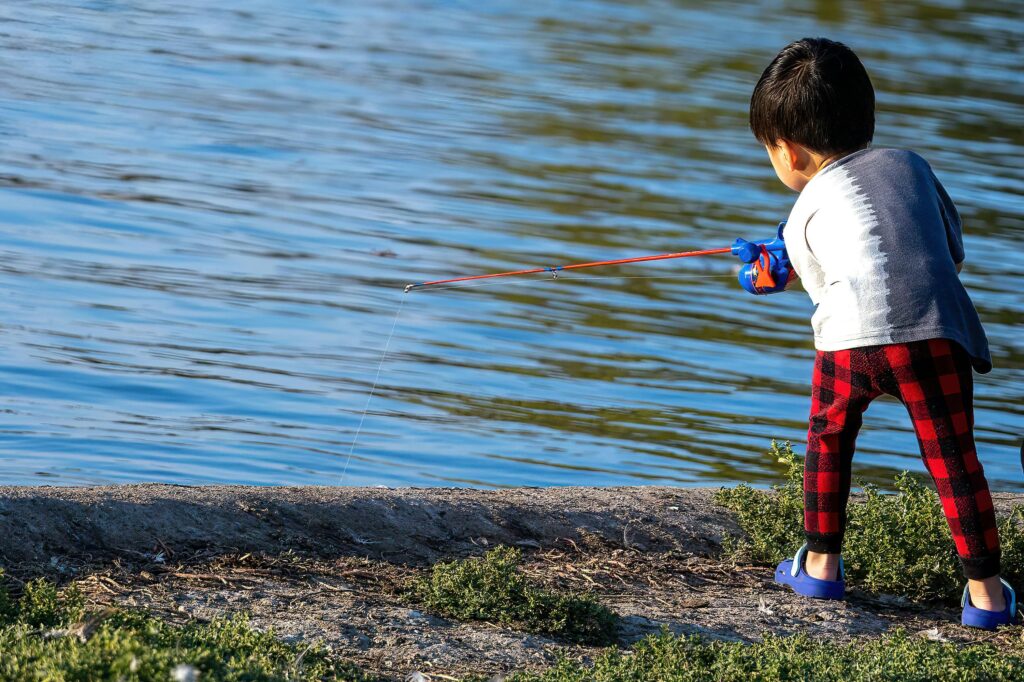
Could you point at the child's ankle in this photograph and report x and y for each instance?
(822, 566)
(987, 594)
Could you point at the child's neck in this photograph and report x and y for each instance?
(806, 164)
(819, 161)
(795, 164)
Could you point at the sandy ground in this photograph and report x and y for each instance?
(330, 564)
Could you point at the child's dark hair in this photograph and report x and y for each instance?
(815, 93)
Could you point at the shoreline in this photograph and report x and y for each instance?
(405, 525)
(330, 564)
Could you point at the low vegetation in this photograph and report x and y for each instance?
(491, 589)
(895, 543)
(668, 658)
(46, 635)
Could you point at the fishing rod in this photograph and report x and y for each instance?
(767, 270)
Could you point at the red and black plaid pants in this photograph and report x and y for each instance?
(933, 380)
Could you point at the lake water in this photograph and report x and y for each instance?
(208, 212)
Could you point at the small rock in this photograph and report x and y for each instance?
(184, 673)
(934, 635)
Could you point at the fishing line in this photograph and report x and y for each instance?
(380, 366)
(398, 314)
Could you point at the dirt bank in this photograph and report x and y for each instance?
(406, 525)
(330, 563)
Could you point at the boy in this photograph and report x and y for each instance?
(876, 241)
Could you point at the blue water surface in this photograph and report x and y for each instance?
(208, 213)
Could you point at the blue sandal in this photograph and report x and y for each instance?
(973, 617)
(791, 572)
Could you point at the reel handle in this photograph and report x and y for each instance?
(767, 268)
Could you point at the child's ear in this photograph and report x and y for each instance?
(790, 154)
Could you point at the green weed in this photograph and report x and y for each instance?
(491, 589)
(43, 606)
(7, 606)
(42, 639)
(894, 543)
(668, 658)
(773, 523)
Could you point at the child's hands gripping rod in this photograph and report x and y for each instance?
(767, 268)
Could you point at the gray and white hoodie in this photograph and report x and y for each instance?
(876, 241)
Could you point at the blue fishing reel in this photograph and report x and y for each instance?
(767, 268)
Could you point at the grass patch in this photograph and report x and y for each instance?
(894, 543)
(491, 589)
(894, 657)
(43, 637)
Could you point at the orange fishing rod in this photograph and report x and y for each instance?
(554, 270)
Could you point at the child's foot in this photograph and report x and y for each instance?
(793, 572)
(975, 616)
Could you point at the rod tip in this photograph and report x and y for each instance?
(408, 287)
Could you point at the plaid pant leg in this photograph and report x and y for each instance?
(933, 379)
(840, 393)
